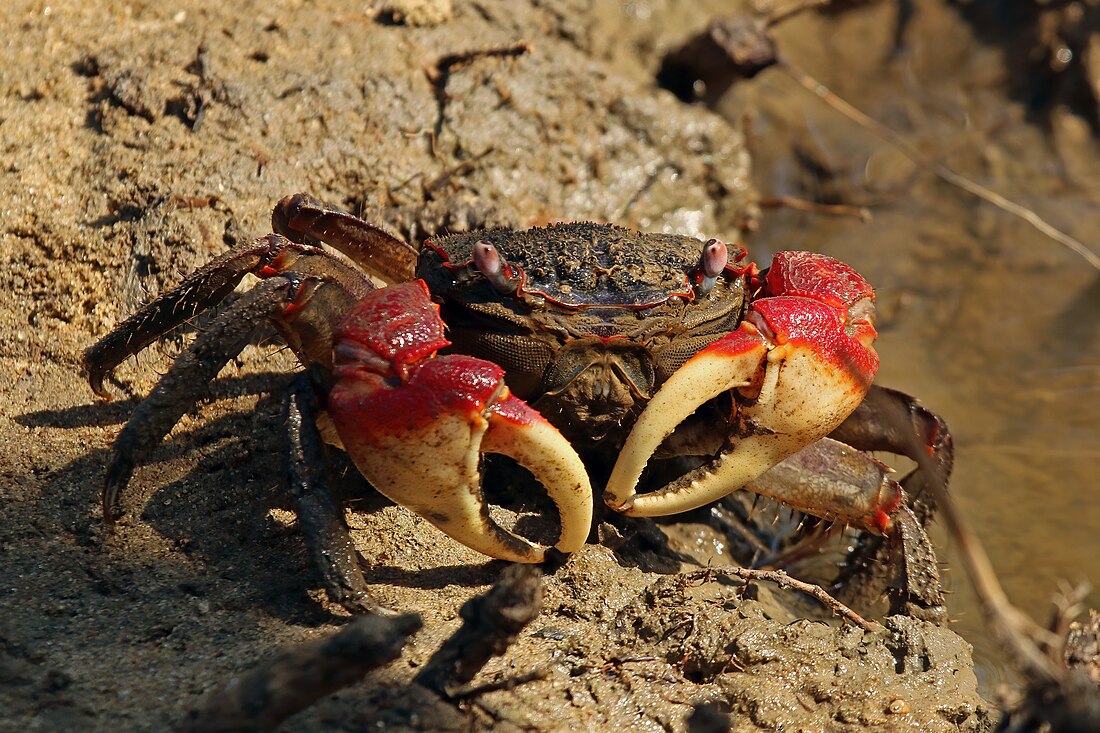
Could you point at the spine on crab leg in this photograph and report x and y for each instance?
(416, 424)
(798, 364)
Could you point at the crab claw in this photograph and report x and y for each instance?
(415, 424)
(799, 363)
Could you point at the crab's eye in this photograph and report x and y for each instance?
(715, 258)
(491, 263)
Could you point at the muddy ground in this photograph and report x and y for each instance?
(139, 140)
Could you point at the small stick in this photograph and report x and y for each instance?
(490, 623)
(439, 74)
(272, 691)
(780, 578)
(790, 202)
(451, 61)
(972, 187)
(509, 683)
(781, 14)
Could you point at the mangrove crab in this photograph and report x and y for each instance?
(582, 351)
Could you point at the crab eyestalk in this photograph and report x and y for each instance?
(416, 424)
(491, 264)
(715, 258)
(800, 362)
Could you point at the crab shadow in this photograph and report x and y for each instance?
(211, 491)
(100, 413)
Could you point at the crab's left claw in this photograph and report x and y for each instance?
(416, 424)
(800, 362)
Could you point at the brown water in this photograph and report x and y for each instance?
(987, 321)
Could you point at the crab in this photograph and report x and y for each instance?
(589, 354)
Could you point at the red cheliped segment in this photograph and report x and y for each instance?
(518, 412)
(817, 276)
(735, 343)
(370, 405)
(399, 323)
(808, 322)
(881, 517)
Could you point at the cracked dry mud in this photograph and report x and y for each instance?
(139, 140)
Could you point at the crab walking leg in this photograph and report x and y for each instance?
(182, 386)
(416, 424)
(206, 288)
(889, 420)
(798, 365)
(320, 514)
(303, 218)
(201, 290)
(834, 481)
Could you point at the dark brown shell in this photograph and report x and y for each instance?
(599, 318)
(584, 264)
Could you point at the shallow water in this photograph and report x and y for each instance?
(987, 321)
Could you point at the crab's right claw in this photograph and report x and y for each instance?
(416, 424)
(728, 364)
(799, 363)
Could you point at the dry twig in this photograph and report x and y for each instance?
(780, 578)
(939, 169)
(490, 623)
(271, 692)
